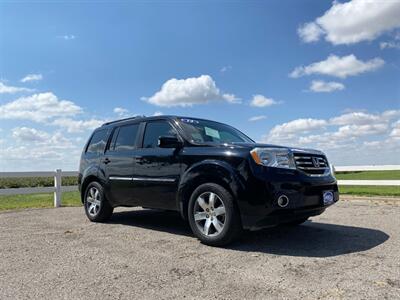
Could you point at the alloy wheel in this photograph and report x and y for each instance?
(209, 214)
(93, 201)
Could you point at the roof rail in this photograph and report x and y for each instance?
(125, 119)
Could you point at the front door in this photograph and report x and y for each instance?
(119, 164)
(157, 170)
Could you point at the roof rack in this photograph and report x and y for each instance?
(125, 119)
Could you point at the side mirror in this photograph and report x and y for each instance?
(169, 142)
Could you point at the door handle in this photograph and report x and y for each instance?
(106, 160)
(138, 159)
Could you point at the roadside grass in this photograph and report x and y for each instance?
(369, 175)
(393, 191)
(37, 200)
(9, 202)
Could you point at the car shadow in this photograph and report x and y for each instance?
(154, 219)
(312, 239)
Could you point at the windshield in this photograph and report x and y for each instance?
(202, 131)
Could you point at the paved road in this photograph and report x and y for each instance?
(351, 251)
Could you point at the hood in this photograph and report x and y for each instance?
(261, 145)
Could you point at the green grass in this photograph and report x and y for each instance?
(37, 200)
(8, 183)
(369, 175)
(73, 199)
(393, 191)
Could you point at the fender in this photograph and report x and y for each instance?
(87, 175)
(208, 170)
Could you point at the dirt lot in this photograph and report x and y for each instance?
(351, 251)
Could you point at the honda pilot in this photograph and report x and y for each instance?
(216, 177)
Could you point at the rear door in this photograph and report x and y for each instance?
(157, 170)
(118, 163)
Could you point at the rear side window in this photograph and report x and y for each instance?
(126, 138)
(154, 130)
(98, 142)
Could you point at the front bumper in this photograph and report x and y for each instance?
(259, 204)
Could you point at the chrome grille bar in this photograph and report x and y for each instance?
(311, 164)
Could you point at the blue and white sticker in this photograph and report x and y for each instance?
(328, 197)
(190, 121)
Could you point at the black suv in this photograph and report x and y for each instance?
(219, 179)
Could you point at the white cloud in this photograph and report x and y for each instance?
(389, 45)
(287, 130)
(349, 138)
(341, 67)
(358, 118)
(391, 114)
(190, 91)
(33, 144)
(120, 111)
(39, 108)
(320, 86)
(262, 101)
(6, 89)
(310, 32)
(353, 21)
(158, 113)
(363, 118)
(225, 69)
(32, 77)
(26, 134)
(72, 125)
(395, 132)
(257, 118)
(67, 37)
(43, 151)
(349, 131)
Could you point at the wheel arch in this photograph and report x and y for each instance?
(209, 171)
(88, 179)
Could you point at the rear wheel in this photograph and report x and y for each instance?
(213, 216)
(97, 208)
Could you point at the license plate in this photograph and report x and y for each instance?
(328, 197)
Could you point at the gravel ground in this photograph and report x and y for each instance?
(351, 251)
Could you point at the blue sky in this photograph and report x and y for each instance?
(233, 61)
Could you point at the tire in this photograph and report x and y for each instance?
(213, 216)
(296, 222)
(96, 206)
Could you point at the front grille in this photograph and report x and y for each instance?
(312, 164)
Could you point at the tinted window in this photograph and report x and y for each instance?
(97, 142)
(126, 138)
(154, 130)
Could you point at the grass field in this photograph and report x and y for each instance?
(37, 200)
(392, 191)
(73, 199)
(369, 175)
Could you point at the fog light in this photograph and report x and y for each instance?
(283, 201)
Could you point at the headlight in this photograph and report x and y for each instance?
(273, 157)
(332, 169)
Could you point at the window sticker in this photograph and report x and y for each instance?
(190, 121)
(212, 132)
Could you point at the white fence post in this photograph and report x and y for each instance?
(57, 188)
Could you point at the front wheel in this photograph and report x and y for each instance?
(212, 215)
(97, 208)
